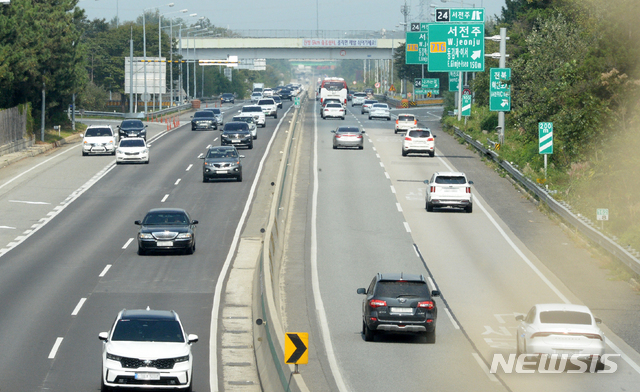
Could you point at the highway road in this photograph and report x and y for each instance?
(70, 263)
(364, 212)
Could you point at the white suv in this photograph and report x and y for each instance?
(405, 122)
(449, 189)
(358, 99)
(99, 139)
(256, 112)
(419, 140)
(269, 107)
(147, 349)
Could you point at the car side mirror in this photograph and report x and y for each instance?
(471, 182)
(426, 181)
(333, 131)
(435, 293)
(194, 222)
(520, 317)
(598, 320)
(239, 111)
(118, 126)
(361, 290)
(146, 126)
(137, 223)
(201, 156)
(103, 336)
(191, 116)
(363, 131)
(192, 338)
(433, 135)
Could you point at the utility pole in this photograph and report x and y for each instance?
(503, 55)
(404, 10)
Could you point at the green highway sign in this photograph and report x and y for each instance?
(456, 47)
(466, 105)
(460, 15)
(427, 91)
(545, 137)
(454, 79)
(602, 214)
(499, 91)
(296, 102)
(416, 47)
(430, 83)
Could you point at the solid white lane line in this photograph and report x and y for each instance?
(623, 355)
(177, 181)
(164, 198)
(55, 348)
(406, 227)
(387, 175)
(317, 296)
(104, 271)
(189, 167)
(127, 243)
(484, 367)
(7, 227)
(453, 321)
(393, 190)
(78, 306)
(399, 207)
(28, 202)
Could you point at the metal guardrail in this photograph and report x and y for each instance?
(139, 115)
(582, 224)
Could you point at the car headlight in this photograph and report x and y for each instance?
(182, 359)
(114, 357)
(146, 236)
(118, 151)
(145, 151)
(184, 235)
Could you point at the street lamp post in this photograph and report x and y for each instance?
(195, 62)
(198, 28)
(160, 50)
(144, 49)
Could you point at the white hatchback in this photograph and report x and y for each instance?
(132, 149)
(449, 189)
(419, 140)
(99, 139)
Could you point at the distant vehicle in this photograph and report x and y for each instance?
(146, 349)
(256, 112)
(99, 139)
(132, 149)
(419, 140)
(399, 303)
(258, 87)
(227, 98)
(236, 133)
(379, 110)
(164, 229)
(367, 105)
(218, 114)
(267, 92)
(348, 137)
(328, 101)
(278, 100)
(333, 110)
(334, 88)
(222, 162)
(561, 329)
(269, 107)
(203, 119)
(358, 99)
(285, 94)
(449, 189)
(256, 96)
(132, 128)
(405, 121)
(368, 91)
(253, 128)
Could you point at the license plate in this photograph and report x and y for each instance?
(236, 141)
(165, 243)
(132, 135)
(451, 190)
(147, 376)
(401, 310)
(222, 171)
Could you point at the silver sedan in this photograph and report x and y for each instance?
(348, 137)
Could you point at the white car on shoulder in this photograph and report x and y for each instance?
(99, 139)
(449, 189)
(419, 140)
(132, 149)
(379, 110)
(561, 329)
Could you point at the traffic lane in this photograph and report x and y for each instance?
(484, 268)
(361, 233)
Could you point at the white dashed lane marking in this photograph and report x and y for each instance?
(78, 307)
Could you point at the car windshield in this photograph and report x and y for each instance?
(236, 126)
(333, 105)
(562, 317)
(419, 134)
(203, 114)
(348, 130)
(406, 118)
(132, 143)
(266, 102)
(359, 95)
(132, 124)
(394, 289)
(256, 94)
(222, 153)
(454, 180)
(96, 132)
(165, 218)
(140, 330)
(252, 109)
(369, 102)
(227, 95)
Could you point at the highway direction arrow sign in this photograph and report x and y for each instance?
(456, 47)
(545, 134)
(295, 348)
(416, 47)
(499, 91)
(466, 105)
(459, 15)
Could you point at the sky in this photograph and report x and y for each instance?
(285, 14)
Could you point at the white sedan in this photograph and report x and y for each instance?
(133, 149)
(379, 110)
(560, 329)
(333, 110)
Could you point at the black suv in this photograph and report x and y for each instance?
(399, 303)
(285, 94)
(236, 133)
(132, 128)
(203, 119)
(227, 98)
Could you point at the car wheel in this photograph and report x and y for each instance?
(360, 147)
(342, 118)
(404, 153)
(205, 179)
(368, 333)
(103, 388)
(146, 162)
(84, 154)
(335, 147)
(369, 117)
(264, 125)
(429, 207)
(189, 250)
(117, 162)
(388, 118)
(239, 178)
(141, 251)
(275, 115)
(432, 153)
(469, 208)
(430, 336)
(395, 131)
(113, 153)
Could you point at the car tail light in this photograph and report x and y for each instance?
(359, 136)
(376, 303)
(541, 335)
(337, 136)
(429, 321)
(426, 305)
(397, 121)
(593, 336)
(321, 100)
(432, 189)
(415, 122)
(430, 139)
(407, 138)
(468, 189)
